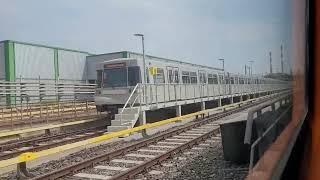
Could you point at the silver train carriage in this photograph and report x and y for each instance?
(168, 80)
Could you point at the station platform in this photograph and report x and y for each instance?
(235, 129)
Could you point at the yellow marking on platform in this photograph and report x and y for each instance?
(34, 155)
(16, 132)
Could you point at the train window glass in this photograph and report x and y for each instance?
(176, 76)
(193, 77)
(241, 81)
(202, 77)
(99, 78)
(133, 75)
(215, 79)
(159, 77)
(115, 77)
(193, 80)
(221, 79)
(185, 77)
(210, 79)
(170, 76)
(227, 80)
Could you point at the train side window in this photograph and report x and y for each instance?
(159, 77)
(185, 77)
(235, 80)
(176, 76)
(193, 77)
(227, 80)
(231, 80)
(99, 78)
(215, 79)
(221, 80)
(241, 81)
(170, 76)
(202, 77)
(133, 75)
(210, 79)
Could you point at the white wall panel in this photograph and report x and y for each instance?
(33, 61)
(72, 65)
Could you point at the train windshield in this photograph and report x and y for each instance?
(121, 77)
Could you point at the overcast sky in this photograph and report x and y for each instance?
(198, 31)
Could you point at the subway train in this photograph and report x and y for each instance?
(168, 80)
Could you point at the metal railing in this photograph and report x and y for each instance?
(153, 94)
(161, 93)
(29, 101)
(127, 102)
(256, 113)
(41, 91)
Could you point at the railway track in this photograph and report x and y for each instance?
(13, 149)
(128, 161)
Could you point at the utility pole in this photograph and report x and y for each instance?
(281, 59)
(270, 54)
(144, 59)
(222, 63)
(251, 68)
(245, 69)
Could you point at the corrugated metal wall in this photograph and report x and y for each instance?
(72, 65)
(93, 60)
(33, 61)
(2, 62)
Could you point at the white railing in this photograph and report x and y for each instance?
(150, 94)
(129, 99)
(161, 93)
(24, 91)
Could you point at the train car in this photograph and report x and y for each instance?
(117, 79)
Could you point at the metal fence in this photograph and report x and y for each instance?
(42, 101)
(265, 123)
(23, 92)
(159, 93)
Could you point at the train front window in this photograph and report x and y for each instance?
(99, 78)
(115, 77)
(134, 76)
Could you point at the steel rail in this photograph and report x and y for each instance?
(108, 156)
(144, 166)
(51, 145)
(34, 140)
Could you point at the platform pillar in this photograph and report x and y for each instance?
(178, 112)
(219, 102)
(142, 121)
(231, 100)
(241, 99)
(203, 107)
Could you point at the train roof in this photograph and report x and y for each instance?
(158, 59)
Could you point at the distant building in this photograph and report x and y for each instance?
(30, 62)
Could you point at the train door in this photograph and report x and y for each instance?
(202, 83)
(228, 83)
(173, 80)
